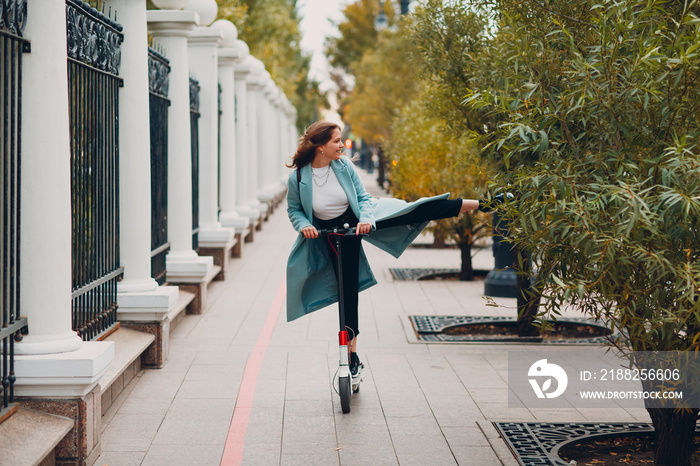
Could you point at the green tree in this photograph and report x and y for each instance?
(455, 51)
(451, 46)
(599, 128)
(387, 83)
(357, 35)
(427, 160)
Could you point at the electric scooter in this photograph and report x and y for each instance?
(347, 384)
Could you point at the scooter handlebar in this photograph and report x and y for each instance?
(339, 231)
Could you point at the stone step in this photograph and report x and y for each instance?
(29, 437)
(129, 344)
(184, 299)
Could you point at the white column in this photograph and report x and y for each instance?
(285, 155)
(293, 132)
(134, 150)
(46, 186)
(203, 58)
(228, 54)
(52, 351)
(138, 291)
(170, 29)
(267, 134)
(282, 144)
(255, 111)
(243, 163)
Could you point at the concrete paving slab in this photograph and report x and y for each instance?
(299, 442)
(159, 407)
(483, 455)
(422, 450)
(131, 432)
(121, 458)
(265, 429)
(469, 436)
(364, 454)
(260, 454)
(183, 455)
(455, 411)
(182, 431)
(375, 436)
(309, 459)
(158, 385)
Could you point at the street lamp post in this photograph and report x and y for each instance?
(381, 21)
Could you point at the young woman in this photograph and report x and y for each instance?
(325, 191)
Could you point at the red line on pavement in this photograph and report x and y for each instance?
(235, 440)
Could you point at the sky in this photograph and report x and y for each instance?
(315, 27)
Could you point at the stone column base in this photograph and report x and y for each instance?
(156, 354)
(221, 256)
(67, 384)
(250, 237)
(81, 446)
(237, 250)
(151, 313)
(199, 289)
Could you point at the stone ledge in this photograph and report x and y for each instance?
(221, 256)
(157, 352)
(129, 345)
(28, 437)
(237, 250)
(199, 303)
(183, 301)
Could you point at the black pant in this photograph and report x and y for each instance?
(352, 245)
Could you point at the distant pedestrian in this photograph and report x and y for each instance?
(325, 192)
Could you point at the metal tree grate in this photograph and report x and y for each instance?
(539, 443)
(417, 274)
(431, 329)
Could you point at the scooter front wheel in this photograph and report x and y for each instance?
(344, 387)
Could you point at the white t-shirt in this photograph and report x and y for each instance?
(329, 200)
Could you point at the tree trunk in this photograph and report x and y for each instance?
(528, 296)
(675, 435)
(438, 238)
(466, 273)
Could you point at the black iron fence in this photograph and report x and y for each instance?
(158, 74)
(194, 131)
(94, 56)
(13, 15)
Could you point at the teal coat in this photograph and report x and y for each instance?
(311, 283)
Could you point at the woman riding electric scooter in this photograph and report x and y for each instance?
(325, 192)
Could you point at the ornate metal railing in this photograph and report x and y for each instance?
(158, 80)
(94, 57)
(13, 15)
(194, 131)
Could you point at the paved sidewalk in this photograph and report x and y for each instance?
(419, 403)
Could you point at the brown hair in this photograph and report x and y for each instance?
(315, 136)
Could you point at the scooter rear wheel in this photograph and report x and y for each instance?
(344, 387)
